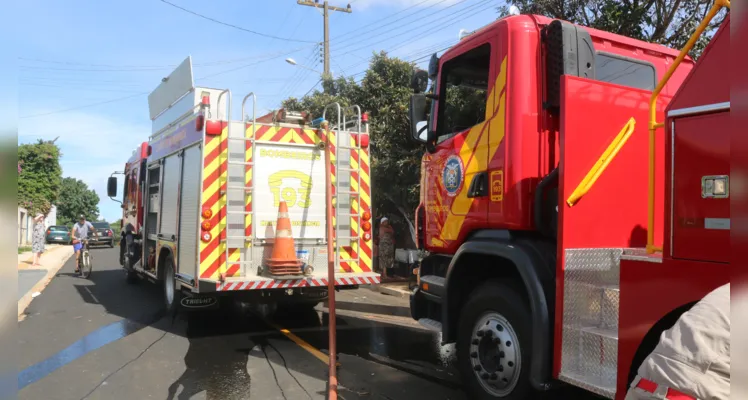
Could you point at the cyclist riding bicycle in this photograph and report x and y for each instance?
(80, 233)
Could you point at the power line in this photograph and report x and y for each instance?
(234, 26)
(453, 16)
(358, 31)
(135, 67)
(421, 23)
(85, 106)
(254, 63)
(310, 90)
(145, 93)
(297, 73)
(299, 78)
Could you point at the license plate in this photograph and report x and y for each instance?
(58, 238)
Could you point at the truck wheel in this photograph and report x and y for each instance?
(172, 293)
(493, 344)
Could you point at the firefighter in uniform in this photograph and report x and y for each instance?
(692, 359)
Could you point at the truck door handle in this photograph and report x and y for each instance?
(479, 185)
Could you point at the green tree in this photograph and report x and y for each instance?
(76, 199)
(39, 176)
(667, 22)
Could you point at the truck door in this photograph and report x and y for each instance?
(457, 180)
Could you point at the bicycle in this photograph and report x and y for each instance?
(84, 261)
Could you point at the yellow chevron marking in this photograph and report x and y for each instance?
(269, 133)
(287, 137)
(211, 145)
(475, 156)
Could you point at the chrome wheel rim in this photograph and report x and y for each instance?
(495, 354)
(169, 282)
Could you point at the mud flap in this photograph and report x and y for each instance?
(199, 303)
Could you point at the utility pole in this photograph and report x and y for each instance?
(327, 8)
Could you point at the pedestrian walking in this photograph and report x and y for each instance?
(386, 245)
(692, 359)
(37, 239)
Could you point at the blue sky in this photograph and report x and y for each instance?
(85, 67)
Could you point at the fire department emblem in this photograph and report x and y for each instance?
(452, 175)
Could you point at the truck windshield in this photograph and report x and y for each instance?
(464, 83)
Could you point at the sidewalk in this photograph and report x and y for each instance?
(395, 289)
(33, 279)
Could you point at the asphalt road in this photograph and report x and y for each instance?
(100, 338)
(27, 278)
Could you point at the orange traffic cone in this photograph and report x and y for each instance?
(283, 259)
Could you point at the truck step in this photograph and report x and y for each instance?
(430, 324)
(433, 284)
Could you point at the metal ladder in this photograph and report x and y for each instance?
(243, 189)
(341, 127)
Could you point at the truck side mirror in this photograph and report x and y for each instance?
(418, 118)
(419, 81)
(111, 186)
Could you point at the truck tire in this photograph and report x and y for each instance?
(131, 276)
(493, 343)
(172, 293)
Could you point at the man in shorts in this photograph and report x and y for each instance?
(80, 232)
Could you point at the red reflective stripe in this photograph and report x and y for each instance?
(647, 385)
(672, 394)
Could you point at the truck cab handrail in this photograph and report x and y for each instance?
(602, 163)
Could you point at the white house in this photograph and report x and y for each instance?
(26, 224)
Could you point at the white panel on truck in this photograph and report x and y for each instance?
(169, 195)
(295, 174)
(171, 88)
(188, 214)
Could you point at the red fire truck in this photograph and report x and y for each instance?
(564, 228)
(202, 195)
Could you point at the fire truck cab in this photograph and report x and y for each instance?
(562, 235)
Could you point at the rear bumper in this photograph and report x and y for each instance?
(261, 283)
(55, 240)
(100, 240)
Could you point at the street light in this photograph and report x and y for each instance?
(293, 62)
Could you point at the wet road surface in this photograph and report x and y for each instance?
(100, 338)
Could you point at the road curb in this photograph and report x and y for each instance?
(24, 302)
(390, 291)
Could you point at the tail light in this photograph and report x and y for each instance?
(367, 226)
(206, 236)
(366, 216)
(213, 127)
(206, 225)
(49, 231)
(367, 236)
(207, 212)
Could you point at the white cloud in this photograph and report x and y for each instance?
(93, 146)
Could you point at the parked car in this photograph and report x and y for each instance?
(58, 234)
(103, 235)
